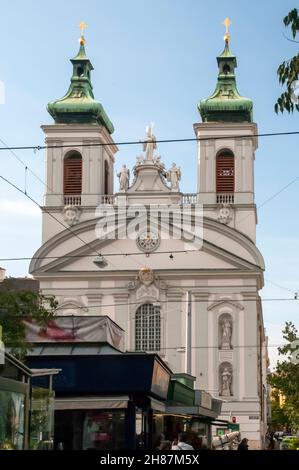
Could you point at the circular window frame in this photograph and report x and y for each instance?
(148, 249)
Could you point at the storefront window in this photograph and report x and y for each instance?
(41, 419)
(104, 430)
(12, 420)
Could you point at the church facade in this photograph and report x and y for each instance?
(184, 283)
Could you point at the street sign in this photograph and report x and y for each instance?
(234, 427)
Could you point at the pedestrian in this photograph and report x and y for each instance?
(159, 440)
(165, 445)
(243, 444)
(182, 444)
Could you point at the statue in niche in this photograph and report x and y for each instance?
(124, 178)
(174, 176)
(149, 144)
(226, 383)
(226, 335)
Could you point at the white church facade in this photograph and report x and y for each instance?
(193, 299)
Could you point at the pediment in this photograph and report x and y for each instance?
(222, 249)
(221, 302)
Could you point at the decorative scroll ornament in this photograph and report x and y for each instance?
(71, 214)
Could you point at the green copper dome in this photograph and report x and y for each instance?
(78, 106)
(226, 104)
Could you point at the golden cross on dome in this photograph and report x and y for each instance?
(82, 26)
(227, 22)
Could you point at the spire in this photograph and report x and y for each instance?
(226, 104)
(78, 106)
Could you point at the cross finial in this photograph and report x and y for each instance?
(82, 26)
(227, 22)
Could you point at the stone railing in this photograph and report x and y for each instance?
(189, 198)
(225, 198)
(108, 199)
(70, 200)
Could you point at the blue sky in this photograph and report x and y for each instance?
(153, 62)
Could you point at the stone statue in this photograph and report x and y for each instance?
(226, 382)
(160, 165)
(124, 177)
(139, 160)
(174, 176)
(226, 334)
(150, 143)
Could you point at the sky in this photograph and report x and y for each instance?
(153, 62)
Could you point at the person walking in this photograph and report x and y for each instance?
(182, 444)
(243, 444)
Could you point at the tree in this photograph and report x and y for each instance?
(15, 307)
(285, 380)
(288, 71)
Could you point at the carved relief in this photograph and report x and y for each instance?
(146, 276)
(225, 214)
(147, 292)
(71, 214)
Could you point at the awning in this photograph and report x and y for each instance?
(42, 372)
(194, 411)
(157, 405)
(91, 403)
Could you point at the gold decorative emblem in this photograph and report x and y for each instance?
(146, 276)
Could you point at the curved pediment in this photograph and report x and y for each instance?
(221, 248)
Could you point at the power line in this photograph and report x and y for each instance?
(49, 213)
(161, 141)
(177, 301)
(279, 286)
(27, 168)
(120, 253)
(124, 254)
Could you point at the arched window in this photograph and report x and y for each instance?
(148, 328)
(225, 172)
(106, 182)
(72, 173)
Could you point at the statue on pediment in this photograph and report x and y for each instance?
(124, 178)
(149, 144)
(174, 176)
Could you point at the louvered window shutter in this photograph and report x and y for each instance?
(72, 175)
(225, 173)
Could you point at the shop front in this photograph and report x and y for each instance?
(14, 404)
(190, 411)
(26, 412)
(106, 402)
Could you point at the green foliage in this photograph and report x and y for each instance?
(288, 71)
(18, 306)
(293, 444)
(285, 380)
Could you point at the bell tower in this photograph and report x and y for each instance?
(80, 149)
(226, 149)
